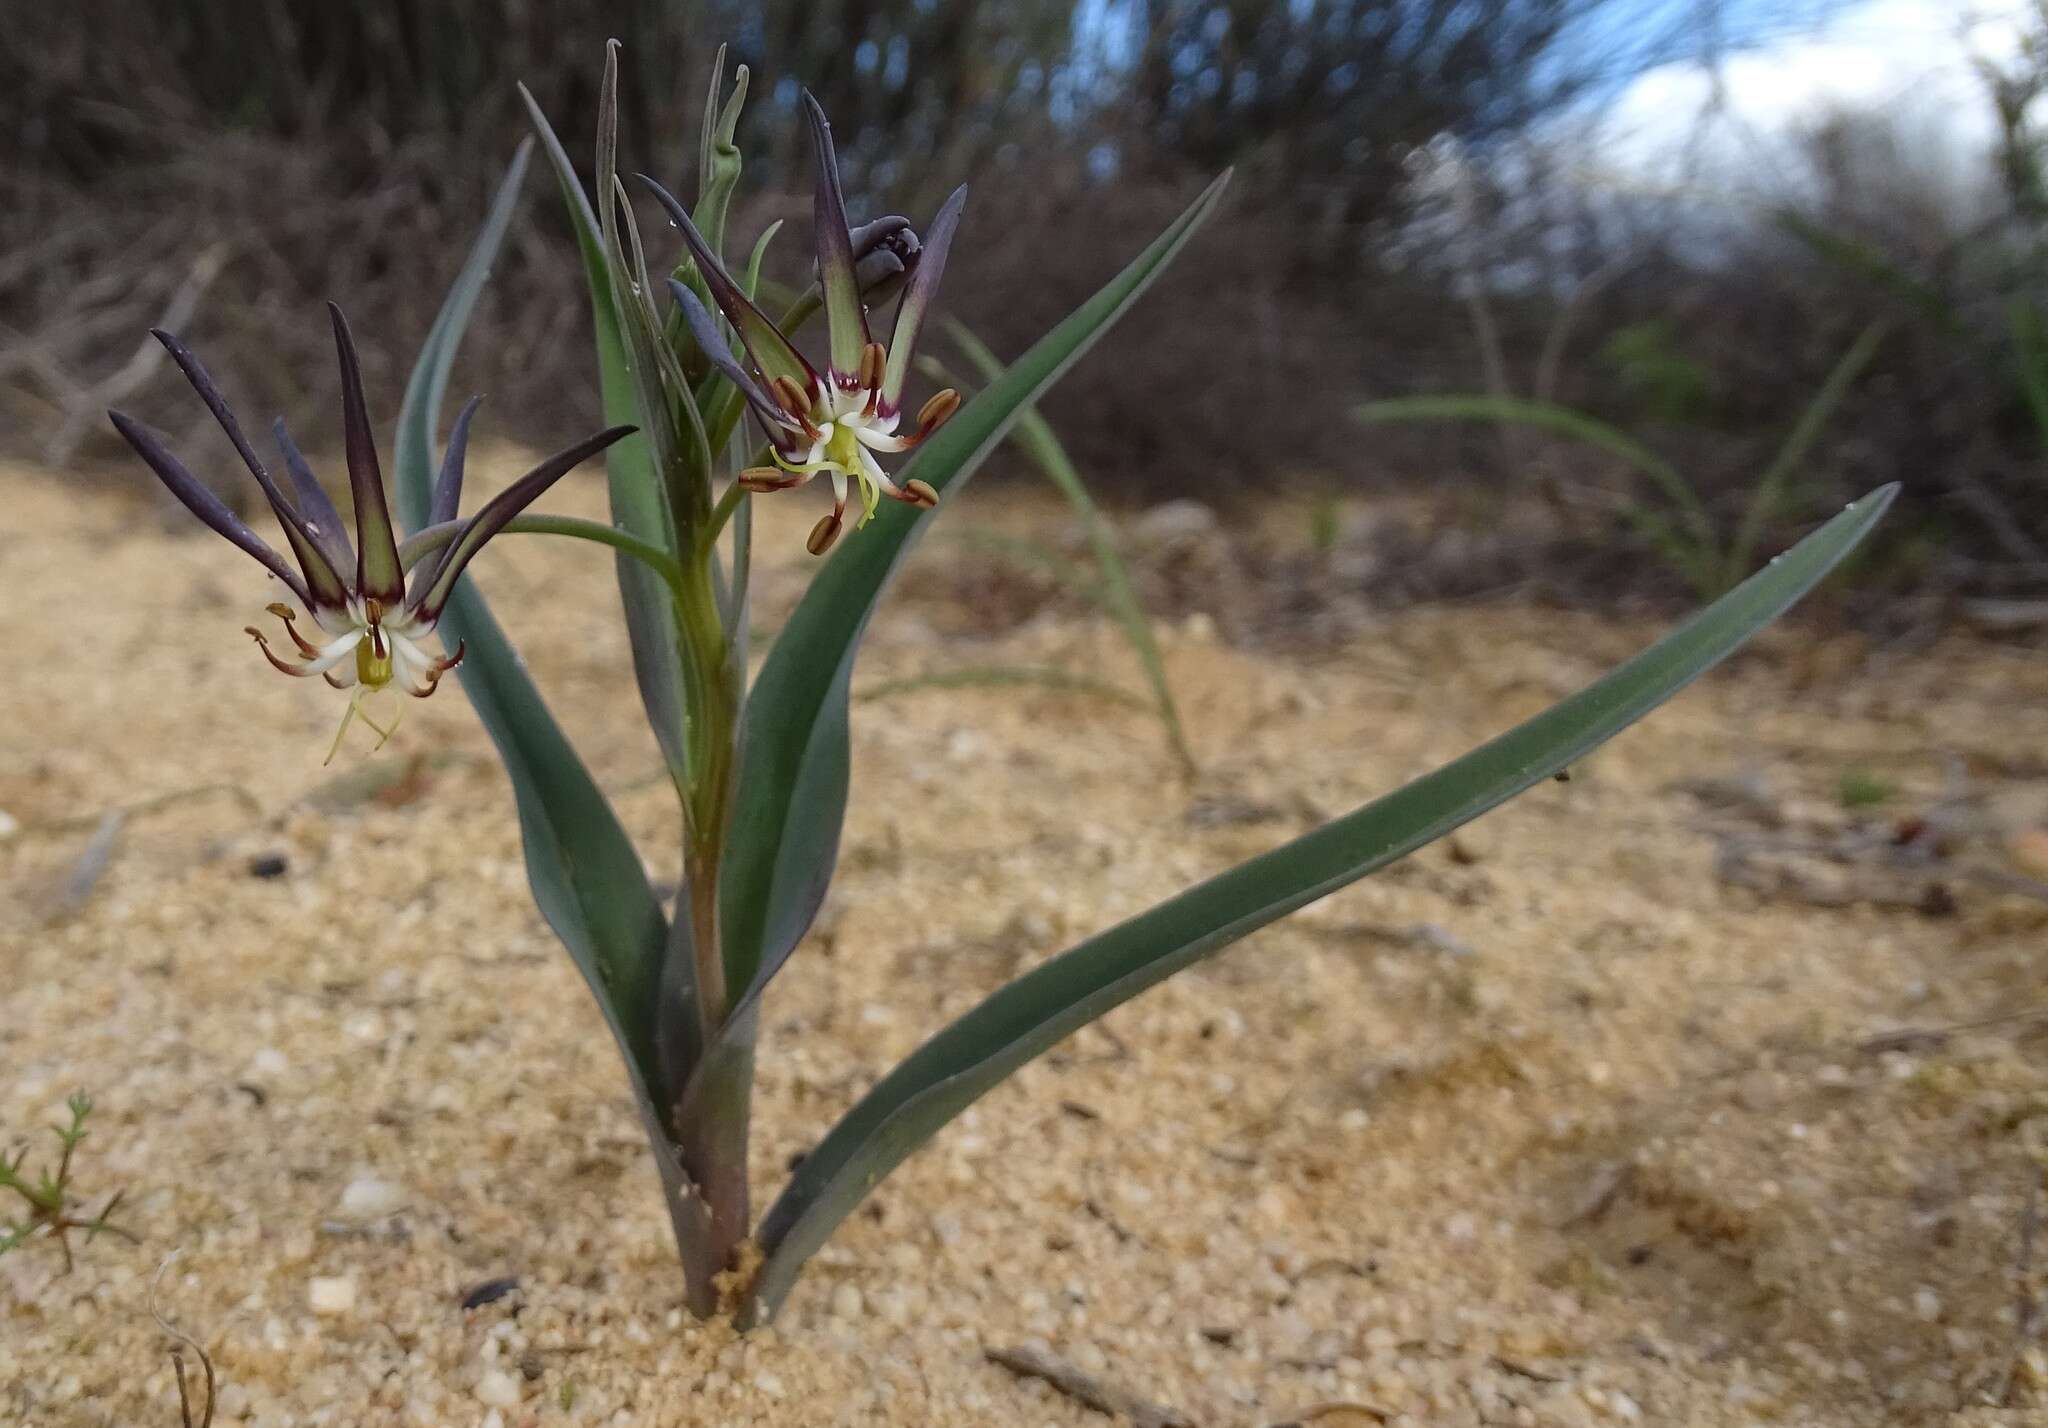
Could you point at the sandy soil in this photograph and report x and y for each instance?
(1550, 1126)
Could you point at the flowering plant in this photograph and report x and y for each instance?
(761, 769)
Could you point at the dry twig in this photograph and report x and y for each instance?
(1029, 1362)
(183, 1341)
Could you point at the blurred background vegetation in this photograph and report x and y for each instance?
(1658, 378)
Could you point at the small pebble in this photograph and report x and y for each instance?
(269, 865)
(489, 1292)
(368, 1198)
(498, 1389)
(335, 1295)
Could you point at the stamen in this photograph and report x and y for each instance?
(873, 359)
(383, 734)
(432, 677)
(920, 493)
(824, 533)
(347, 715)
(793, 398)
(285, 613)
(769, 478)
(934, 413)
(275, 663)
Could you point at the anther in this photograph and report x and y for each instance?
(934, 412)
(823, 534)
(795, 400)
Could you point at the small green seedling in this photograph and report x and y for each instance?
(53, 1211)
(1860, 788)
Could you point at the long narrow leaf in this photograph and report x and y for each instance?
(1035, 434)
(637, 498)
(586, 876)
(785, 831)
(1051, 1002)
(1768, 493)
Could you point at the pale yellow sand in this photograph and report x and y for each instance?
(1618, 1158)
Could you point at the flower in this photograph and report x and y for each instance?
(831, 423)
(375, 625)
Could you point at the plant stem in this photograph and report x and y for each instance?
(711, 1112)
(722, 512)
(424, 543)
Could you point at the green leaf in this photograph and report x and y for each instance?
(1002, 676)
(718, 156)
(586, 875)
(792, 787)
(1051, 1002)
(1035, 434)
(637, 498)
(1769, 492)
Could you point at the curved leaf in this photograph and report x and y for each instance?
(585, 874)
(792, 800)
(1052, 1001)
(637, 495)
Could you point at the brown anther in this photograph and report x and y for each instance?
(874, 358)
(920, 493)
(439, 667)
(275, 663)
(373, 610)
(934, 412)
(795, 400)
(823, 534)
(285, 613)
(763, 478)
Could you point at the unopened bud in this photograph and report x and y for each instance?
(823, 534)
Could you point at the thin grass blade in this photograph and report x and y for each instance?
(1035, 434)
(1768, 493)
